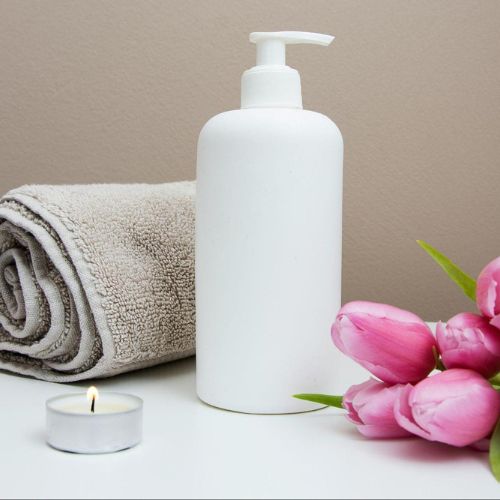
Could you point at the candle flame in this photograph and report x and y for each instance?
(92, 393)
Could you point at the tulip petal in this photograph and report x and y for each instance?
(380, 409)
(380, 310)
(474, 424)
(352, 416)
(470, 341)
(487, 291)
(457, 407)
(392, 351)
(404, 416)
(495, 321)
(370, 406)
(491, 295)
(359, 395)
(448, 384)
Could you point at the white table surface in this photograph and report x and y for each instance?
(191, 450)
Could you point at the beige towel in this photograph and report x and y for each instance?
(96, 280)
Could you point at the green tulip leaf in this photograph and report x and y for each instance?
(322, 399)
(495, 452)
(463, 280)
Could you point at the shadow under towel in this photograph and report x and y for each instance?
(96, 280)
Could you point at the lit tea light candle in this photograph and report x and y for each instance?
(92, 395)
(94, 422)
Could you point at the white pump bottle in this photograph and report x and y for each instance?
(268, 241)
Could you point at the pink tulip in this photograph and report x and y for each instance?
(488, 291)
(457, 407)
(371, 407)
(469, 341)
(393, 344)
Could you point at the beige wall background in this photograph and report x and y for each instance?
(117, 91)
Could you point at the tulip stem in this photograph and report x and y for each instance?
(323, 399)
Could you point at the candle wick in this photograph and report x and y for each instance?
(92, 406)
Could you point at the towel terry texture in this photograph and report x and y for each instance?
(96, 280)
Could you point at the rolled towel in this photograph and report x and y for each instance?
(96, 280)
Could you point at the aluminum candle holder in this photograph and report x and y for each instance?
(94, 423)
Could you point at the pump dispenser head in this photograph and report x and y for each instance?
(271, 83)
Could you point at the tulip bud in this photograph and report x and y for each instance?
(393, 344)
(468, 341)
(488, 291)
(457, 407)
(370, 407)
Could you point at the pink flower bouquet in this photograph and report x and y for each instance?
(441, 388)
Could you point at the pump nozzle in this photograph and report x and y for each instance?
(271, 83)
(271, 45)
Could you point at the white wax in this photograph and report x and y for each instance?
(99, 409)
(115, 424)
(107, 402)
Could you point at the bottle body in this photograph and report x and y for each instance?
(268, 257)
